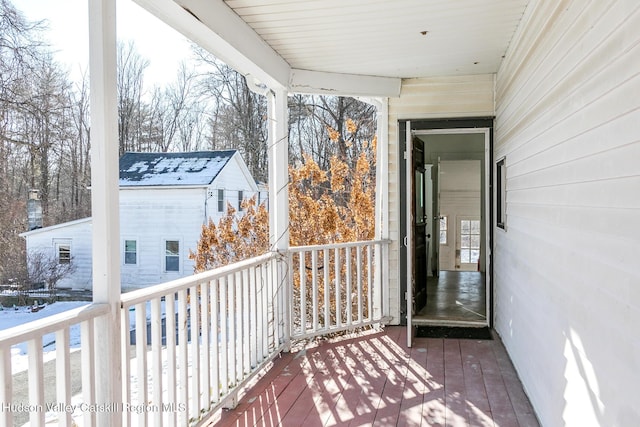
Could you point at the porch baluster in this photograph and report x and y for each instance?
(141, 359)
(63, 375)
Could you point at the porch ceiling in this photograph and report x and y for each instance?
(385, 38)
(381, 38)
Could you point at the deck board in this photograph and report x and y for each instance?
(374, 379)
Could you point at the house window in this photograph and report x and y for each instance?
(469, 241)
(130, 252)
(221, 200)
(501, 194)
(172, 255)
(240, 197)
(443, 230)
(64, 253)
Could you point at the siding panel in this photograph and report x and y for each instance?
(567, 294)
(78, 235)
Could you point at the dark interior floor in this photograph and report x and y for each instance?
(456, 296)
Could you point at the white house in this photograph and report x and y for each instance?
(165, 198)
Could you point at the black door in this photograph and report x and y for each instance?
(420, 245)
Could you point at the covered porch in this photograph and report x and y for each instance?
(557, 80)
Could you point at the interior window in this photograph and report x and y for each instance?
(443, 229)
(469, 241)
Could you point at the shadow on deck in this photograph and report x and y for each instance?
(374, 379)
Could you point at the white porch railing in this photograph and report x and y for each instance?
(208, 335)
(335, 288)
(191, 345)
(19, 398)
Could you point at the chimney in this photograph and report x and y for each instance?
(34, 210)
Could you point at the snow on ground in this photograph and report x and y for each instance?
(19, 361)
(10, 317)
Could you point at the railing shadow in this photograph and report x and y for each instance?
(373, 379)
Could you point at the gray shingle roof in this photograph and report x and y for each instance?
(171, 169)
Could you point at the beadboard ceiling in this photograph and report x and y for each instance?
(349, 46)
(399, 38)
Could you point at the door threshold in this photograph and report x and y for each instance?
(417, 321)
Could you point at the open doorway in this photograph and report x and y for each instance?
(456, 169)
(456, 292)
(459, 215)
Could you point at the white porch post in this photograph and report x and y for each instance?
(279, 197)
(105, 205)
(381, 297)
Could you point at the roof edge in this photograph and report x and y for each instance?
(55, 226)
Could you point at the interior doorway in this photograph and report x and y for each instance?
(453, 176)
(459, 215)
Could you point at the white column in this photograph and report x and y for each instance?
(278, 170)
(279, 203)
(381, 300)
(105, 205)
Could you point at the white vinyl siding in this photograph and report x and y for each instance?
(443, 97)
(74, 235)
(153, 215)
(566, 273)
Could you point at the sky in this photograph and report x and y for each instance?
(68, 35)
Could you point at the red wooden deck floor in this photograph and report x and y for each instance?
(374, 379)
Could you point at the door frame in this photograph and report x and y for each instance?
(408, 128)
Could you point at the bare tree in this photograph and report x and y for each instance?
(240, 115)
(315, 120)
(45, 270)
(42, 125)
(20, 50)
(179, 109)
(13, 221)
(78, 156)
(131, 111)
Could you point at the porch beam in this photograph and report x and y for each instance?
(316, 82)
(105, 205)
(218, 29)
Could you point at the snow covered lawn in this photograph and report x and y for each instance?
(10, 317)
